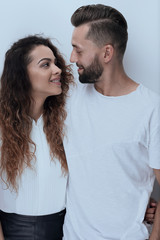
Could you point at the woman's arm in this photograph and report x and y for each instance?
(1, 233)
(155, 234)
(150, 212)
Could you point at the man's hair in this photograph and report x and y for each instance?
(107, 25)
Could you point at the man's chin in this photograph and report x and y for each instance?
(85, 81)
(82, 79)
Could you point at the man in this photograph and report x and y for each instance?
(113, 142)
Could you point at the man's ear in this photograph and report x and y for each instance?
(108, 52)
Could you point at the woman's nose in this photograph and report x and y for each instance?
(56, 70)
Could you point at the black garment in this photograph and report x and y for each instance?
(21, 227)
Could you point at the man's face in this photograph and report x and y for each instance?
(92, 73)
(86, 54)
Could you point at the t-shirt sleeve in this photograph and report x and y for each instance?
(154, 139)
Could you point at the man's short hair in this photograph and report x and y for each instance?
(107, 25)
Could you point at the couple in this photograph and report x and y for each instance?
(105, 150)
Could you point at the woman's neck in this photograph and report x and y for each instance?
(36, 109)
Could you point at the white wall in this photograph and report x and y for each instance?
(52, 18)
(19, 18)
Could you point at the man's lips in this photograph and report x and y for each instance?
(80, 69)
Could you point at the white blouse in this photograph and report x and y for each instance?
(42, 189)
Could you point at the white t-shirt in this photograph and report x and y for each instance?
(42, 190)
(112, 145)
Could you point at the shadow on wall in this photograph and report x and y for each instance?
(156, 192)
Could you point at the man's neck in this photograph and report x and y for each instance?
(115, 83)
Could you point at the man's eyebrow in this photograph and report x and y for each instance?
(48, 59)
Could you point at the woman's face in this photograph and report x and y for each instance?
(44, 75)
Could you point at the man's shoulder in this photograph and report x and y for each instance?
(76, 94)
(78, 89)
(150, 97)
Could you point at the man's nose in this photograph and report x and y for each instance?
(73, 58)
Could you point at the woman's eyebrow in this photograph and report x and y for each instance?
(48, 59)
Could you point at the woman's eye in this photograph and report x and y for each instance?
(45, 64)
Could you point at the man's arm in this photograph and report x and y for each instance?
(1, 233)
(155, 235)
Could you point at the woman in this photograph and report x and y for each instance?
(33, 167)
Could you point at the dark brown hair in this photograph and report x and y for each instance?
(15, 101)
(107, 25)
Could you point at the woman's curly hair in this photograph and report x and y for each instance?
(17, 148)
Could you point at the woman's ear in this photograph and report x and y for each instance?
(108, 52)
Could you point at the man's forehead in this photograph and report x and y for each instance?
(80, 31)
(79, 36)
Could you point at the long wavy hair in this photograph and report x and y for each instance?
(17, 148)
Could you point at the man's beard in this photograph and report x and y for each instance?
(92, 73)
